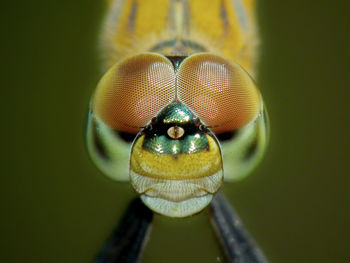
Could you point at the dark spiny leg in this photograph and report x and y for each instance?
(127, 241)
(239, 246)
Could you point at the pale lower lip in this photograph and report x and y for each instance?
(177, 209)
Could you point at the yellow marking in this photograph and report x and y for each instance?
(226, 38)
(214, 24)
(184, 166)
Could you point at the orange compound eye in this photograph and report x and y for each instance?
(220, 92)
(133, 91)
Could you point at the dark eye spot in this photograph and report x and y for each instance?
(125, 136)
(98, 144)
(251, 150)
(226, 136)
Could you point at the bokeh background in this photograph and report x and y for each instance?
(57, 207)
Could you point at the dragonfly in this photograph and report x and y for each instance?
(177, 113)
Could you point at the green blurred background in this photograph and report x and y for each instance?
(57, 207)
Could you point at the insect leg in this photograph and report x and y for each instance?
(126, 243)
(238, 245)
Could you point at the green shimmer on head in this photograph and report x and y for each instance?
(175, 114)
(164, 145)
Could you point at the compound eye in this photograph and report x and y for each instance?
(220, 92)
(133, 91)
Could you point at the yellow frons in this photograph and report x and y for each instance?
(183, 166)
